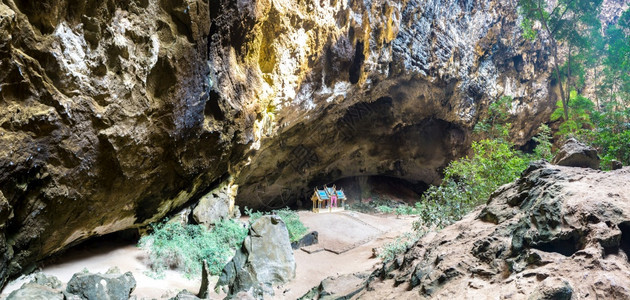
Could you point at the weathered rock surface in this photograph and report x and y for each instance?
(34, 291)
(339, 287)
(340, 99)
(46, 280)
(615, 165)
(109, 286)
(101, 118)
(576, 154)
(266, 258)
(113, 114)
(310, 238)
(185, 295)
(556, 233)
(216, 205)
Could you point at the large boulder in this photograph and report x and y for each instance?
(576, 154)
(34, 291)
(266, 258)
(47, 280)
(555, 233)
(109, 286)
(186, 295)
(309, 239)
(338, 287)
(216, 205)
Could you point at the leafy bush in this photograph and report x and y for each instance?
(579, 115)
(375, 205)
(468, 182)
(390, 250)
(385, 209)
(173, 245)
(607, 130)
(291, 219)
(543, 141)
(405, 210)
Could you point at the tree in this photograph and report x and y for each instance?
(570, 23)
(615, 85)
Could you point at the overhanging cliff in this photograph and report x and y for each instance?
(113, 114)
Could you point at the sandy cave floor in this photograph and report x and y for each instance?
(350, 233)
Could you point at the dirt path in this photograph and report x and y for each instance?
(333, 228)
(353, 233)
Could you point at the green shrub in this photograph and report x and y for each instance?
(291, 219)
(385, 209)
(390, 250)
(405, 210)
(468, 182)
(543, 141)
(374, 205)
(296, 228)
(172, 245)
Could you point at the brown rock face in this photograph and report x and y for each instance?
(101, 118)
(576, 154)
(556, 233)
(389, 88)
(112, 114)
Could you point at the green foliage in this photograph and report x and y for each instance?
(613, 146)
(390, 250)
(527, 27)
(607, 130)
(468, 182)
(291, 219)
(373, 205)
(574, 24)
(296, 228)
(496, 125)
(385, 209)
(382, 205)
(405, 210)
(253, 215)
(579, 115)
(173, 245)
(543, 141)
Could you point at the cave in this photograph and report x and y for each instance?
(115, 117)
(624, 244)
(380, 187)
(566, 246)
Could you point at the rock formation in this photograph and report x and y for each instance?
(556, 233)
(111, 285)
(373, 75)
(113, 114)
(265, 259)
(576, 154)
(35, 291)
(215, 206)
(83, 285)
(338, 287)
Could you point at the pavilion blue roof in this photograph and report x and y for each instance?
(322, 194)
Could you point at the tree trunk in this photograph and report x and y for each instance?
(554, 50)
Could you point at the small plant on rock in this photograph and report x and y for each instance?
(291, 219)
(184, 247)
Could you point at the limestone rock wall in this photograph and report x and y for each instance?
(555, 233)
(101, 118)
(363, 88)
(114, 113)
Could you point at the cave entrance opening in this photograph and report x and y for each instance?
(377, 190)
